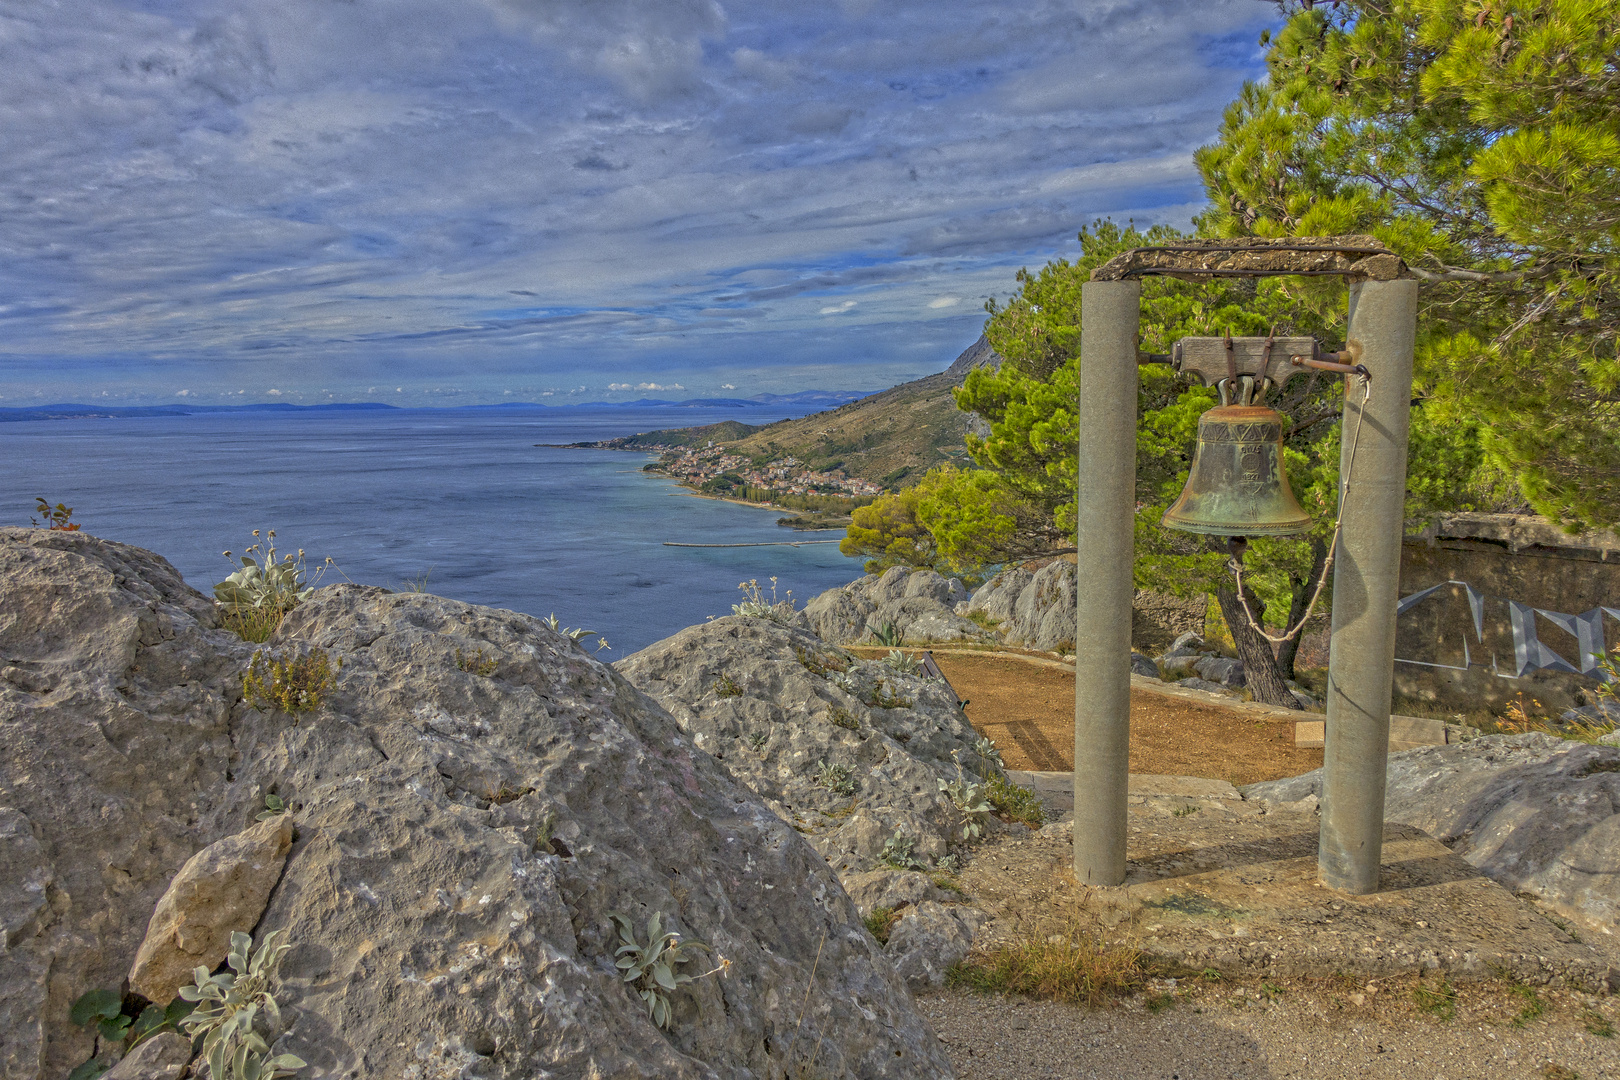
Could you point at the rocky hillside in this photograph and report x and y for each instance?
(891, 438)
(458, 823)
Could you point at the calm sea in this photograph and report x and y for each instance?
(462, 497)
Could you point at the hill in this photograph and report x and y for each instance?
(888, 439)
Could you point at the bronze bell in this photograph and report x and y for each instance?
(1236, 486)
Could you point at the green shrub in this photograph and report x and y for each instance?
(253, 599)
(227, 1006)
(649, 967)
(1072, 967)
(880, 922)
(725, 686)
(836, 779)
(842, 717)
(293, 685)
(1015, 802)
(475, 664)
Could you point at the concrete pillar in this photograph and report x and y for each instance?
(1106, 512)
(1366, 586)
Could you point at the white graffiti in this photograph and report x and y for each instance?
(1530, 653)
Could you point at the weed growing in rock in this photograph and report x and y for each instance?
(416, 584)
(273, 807)
(880, 922)
(227, 1006)
(755, 603)
(757, 741)
(293, 685)
(885, 634)
(836, 779)
(1533, 1006)
(842, 717)
(820, 663)
(1439, 1002)
(103, 1012)
(649, 967)
(1015, 802)
(1157, 1003)
(898, 853)
(475, 663)
(989, 757)
(1071, 967)
(983, 619)
(944, 880)
(1185, 810)
(726, 686)
(903, 662)
(253, 600)
(1597, 1024)
(885, 697)
(56, 517)
(575, 633)
(968, 797)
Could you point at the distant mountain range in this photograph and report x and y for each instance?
(72, 411)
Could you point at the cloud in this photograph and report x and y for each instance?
(727, 386)
(945, 302)
(273, 393)
(495, 193)
(645, 386)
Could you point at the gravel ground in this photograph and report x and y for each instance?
(1243, 1033)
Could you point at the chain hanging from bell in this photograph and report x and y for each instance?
(1237, 486)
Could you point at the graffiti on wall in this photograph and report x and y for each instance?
(1530, 653)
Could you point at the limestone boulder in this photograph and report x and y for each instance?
(1537, 813)
(461, 840)
(220, 890)
(998, 597)
(849, 751)
(919, 604)
(929, 938)
(1144, 666)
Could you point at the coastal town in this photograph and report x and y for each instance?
(715, 470)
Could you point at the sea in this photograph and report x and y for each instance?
(479, 505)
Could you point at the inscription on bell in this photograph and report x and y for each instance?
(1239, 433)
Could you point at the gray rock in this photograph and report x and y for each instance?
(930, 937)
(891, 889)
(921, 604)
(1045, 614)
(1537, 813)
(435, 930)
(1142, 665)
(221, 890)
(1603, 712)
(1196, 683)
(1187, 644)
(162, 1057)
(1179, 666)
(998, 597)
(1222, 670)
(797, 710)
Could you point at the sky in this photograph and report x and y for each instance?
(435, 202)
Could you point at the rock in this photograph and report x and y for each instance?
(1220, 669)
(798, 710)
(1604, 712)
(221, 889)
(162, 1057)
(1188, 644)
(998, 597)
(920, 604)
(1537, 813)
(930, 937)
(1196, 683)
(1142, 665)
(1611, 739)
(461, 840)
(873, 889)
(1044, 617)
(1179, 666)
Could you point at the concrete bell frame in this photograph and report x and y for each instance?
(1366, 579)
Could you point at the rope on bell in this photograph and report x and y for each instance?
(1236, 563)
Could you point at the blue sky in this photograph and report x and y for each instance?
(469, 201)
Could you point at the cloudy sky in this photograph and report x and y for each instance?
(466, 201)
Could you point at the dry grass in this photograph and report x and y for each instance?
(1071, 965)
(250, 623)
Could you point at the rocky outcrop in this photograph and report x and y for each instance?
(1035, 609)
(851, 752)
(919, 604)
(1539, 814)
(461, 840)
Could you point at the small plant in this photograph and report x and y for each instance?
(880, 922)
(1271, 989)
(417, 584)
(898, 852)
(756, 605)
(903, 662)
(950, 864)
(885, 697)
(836, 779)
(476, 663)
(292, 685)
(1185, 810)
(967, 797)
(56, 517)
(253, 600)
(1157, 1003)
(649, 967)
(726, 686)
(273, 807)
(885, 634)
(819, 663)
(1015, 802)
(989, 757)
(983, 619)
(229, 1004)
(102, 1011)
(1438, 1001)
(845, 681)
(842, 717)
(1533, 1006)
(757, 740)
(1597, 1024)
(575, 633)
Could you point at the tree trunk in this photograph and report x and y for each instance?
(1302, 591)
(1259, 665)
